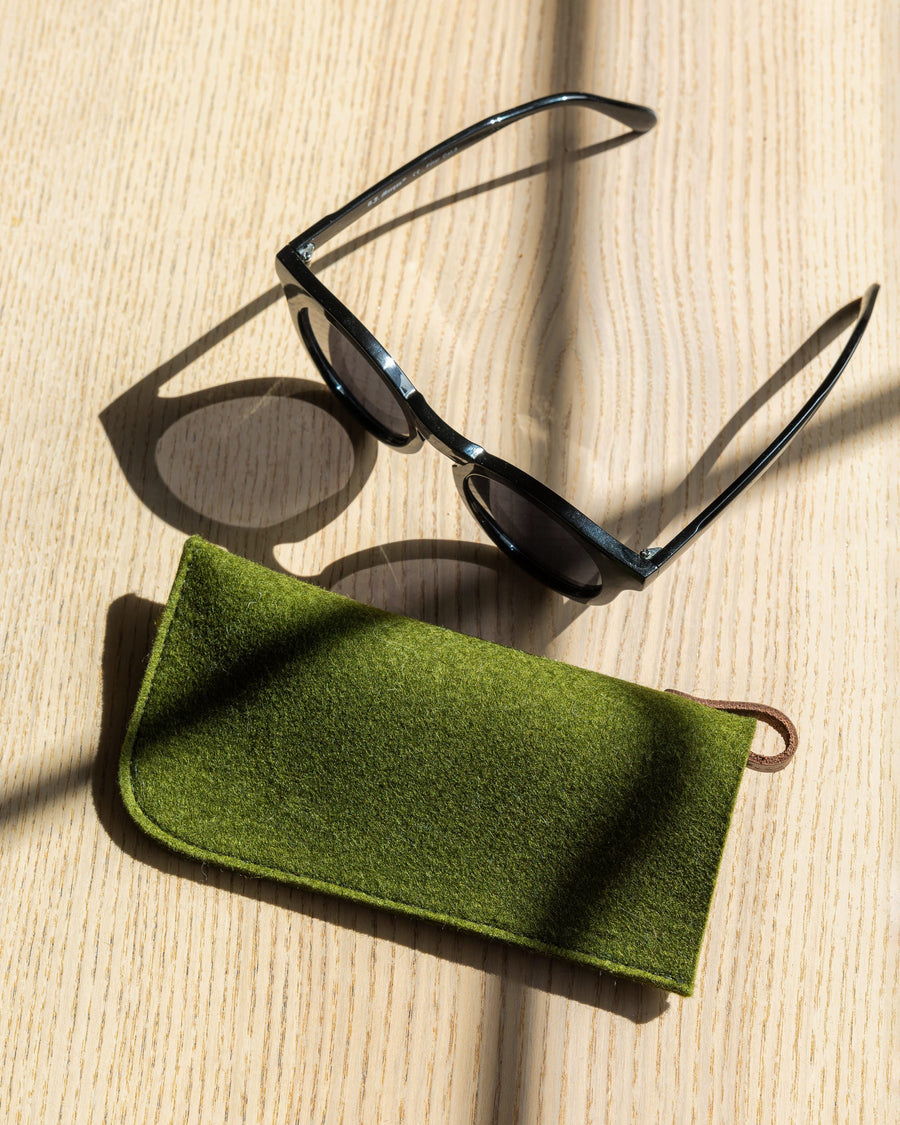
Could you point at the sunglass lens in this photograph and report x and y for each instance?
(353, 377)
(527, 532)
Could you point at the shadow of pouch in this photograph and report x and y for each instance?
(287, 732)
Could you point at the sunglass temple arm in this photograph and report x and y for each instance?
(638, 118)
(659, 556)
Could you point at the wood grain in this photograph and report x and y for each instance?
(604, 321)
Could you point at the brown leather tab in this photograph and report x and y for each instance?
(771, 716)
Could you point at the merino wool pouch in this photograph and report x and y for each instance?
(290, 733)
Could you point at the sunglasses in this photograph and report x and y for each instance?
(534, 526)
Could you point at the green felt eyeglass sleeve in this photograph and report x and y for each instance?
(288, 732)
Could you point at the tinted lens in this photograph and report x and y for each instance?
(523, 525)
(354, 375)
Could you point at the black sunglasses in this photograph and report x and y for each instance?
(549, 538)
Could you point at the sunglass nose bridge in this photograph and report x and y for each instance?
(442, 436)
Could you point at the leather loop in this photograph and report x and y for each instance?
(771, 716)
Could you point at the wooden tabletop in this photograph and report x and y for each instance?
(630, 323)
